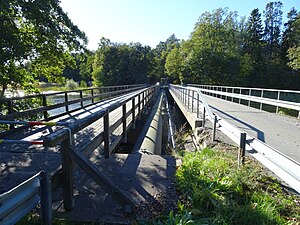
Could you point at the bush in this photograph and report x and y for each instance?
(71, 84)
(83, 84)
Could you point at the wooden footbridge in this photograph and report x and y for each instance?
(77, 135)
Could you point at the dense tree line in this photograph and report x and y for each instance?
(226, 50)
(223, 49)
(39, 40)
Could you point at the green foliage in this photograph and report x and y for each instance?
(294, 57)
(71, 85)
(36, 38)
(216, 191)
(116, 64)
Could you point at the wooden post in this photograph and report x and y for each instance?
(124, 123)
(81, 96)
(242, 149)
(10, 110)
(66, 100)
(106, 135)
(45, 104)
(67, 172)
(46, 198)
(133, 113)
(92, 93)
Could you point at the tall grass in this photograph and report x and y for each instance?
(216, 191)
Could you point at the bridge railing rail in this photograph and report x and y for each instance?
(288, 99)
(71, 154)
(283, 166)
(192, 98)
(42, 105)
(19, 201)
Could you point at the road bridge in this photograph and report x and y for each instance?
(271, 138)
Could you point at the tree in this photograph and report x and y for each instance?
(212, 53)
(252, 50)
(173, 66)
(294, 57)
(273, 22)
(36, 39)
(160, 56)
(116, 64)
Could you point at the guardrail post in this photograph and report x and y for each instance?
(214, 128)
(133, 113)
(124, 123)
(249, 102)
(46, 198)
(242, 149)
(45, 104)
(278, 97)
(66, 100)
(193, 94)
(203, 117)
(106, 135)
(262, 96)
(67, 172)
(188, 98)
(197, 104)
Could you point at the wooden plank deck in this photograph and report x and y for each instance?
(19, 162)
(144, 178)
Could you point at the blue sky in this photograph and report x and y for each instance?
(150, 21)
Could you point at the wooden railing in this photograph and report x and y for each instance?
(76, 154)
(39, 106)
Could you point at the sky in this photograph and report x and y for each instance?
(151, 21)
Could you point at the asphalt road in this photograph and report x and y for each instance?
(278, 131)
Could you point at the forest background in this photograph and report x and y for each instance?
(39, 42)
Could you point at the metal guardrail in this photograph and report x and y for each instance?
(17, 202)
(191, 95)
(85, 97)
(288, 99)
(284, 167)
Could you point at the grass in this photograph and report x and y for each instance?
(34, 219)
(215, 191)
(42, 87)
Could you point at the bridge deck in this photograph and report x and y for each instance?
(20, 161)
(142, 177)
(278, 131)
